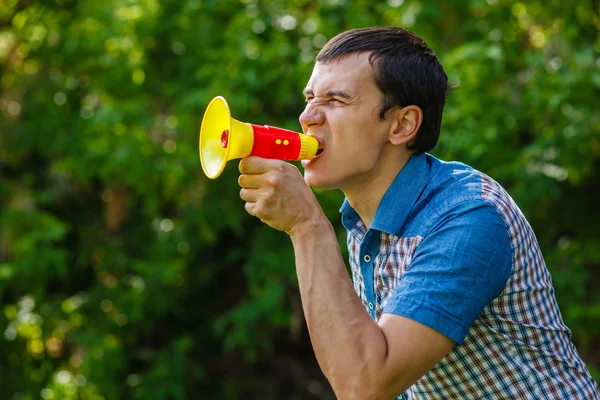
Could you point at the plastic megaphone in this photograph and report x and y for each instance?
(223, 138)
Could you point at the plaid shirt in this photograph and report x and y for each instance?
(480, 281)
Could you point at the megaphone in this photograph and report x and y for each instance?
(223, 138)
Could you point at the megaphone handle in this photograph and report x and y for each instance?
(275, 143)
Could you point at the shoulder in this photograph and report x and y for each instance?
(450, 186)
(453, 189)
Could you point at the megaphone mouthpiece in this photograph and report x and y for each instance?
(223, 138)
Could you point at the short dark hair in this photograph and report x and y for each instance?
(407, 72)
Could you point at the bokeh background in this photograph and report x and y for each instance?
(126, 274)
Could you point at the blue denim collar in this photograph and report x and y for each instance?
(397, 201)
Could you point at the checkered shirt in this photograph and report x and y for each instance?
(518, 347)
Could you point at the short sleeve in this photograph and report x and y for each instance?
(461, 265)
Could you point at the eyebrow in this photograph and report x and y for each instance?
(329, 93)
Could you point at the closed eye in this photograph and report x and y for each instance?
(338, 97)
(323, 101)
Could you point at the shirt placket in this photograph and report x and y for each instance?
(368, 252)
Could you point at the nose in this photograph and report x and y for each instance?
(311, 116)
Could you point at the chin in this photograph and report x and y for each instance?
(318, 181)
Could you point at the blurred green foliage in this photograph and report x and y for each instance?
(126, 274)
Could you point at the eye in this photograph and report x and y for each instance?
(308, 99)
(336, 101)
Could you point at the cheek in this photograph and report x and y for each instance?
(357, 137)
(358, 149)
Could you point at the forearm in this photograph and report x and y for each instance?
(350, 347)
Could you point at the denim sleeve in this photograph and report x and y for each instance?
(460, 266)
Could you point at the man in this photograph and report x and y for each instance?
(454, 300)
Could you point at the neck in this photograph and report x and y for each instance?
(365, 196)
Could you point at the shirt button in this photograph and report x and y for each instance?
(371, 306)
(367, 258)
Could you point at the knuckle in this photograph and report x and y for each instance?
(274, 180)
(259, 210)
(281, 166)
(270, 193)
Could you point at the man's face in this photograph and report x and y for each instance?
(342, 112)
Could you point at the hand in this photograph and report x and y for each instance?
(276, 192)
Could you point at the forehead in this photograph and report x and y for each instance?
(351, 73)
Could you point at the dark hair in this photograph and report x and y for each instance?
(407, 72)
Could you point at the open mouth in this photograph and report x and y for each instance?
(319, 151)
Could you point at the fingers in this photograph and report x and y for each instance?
(249, 195)
(259, 172)
(265, 186)
(253, 178)
(250, 208)
(258, 165)
(250, 181)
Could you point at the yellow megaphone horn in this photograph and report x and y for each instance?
(223, 138)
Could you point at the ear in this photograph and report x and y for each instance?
(406, 125)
